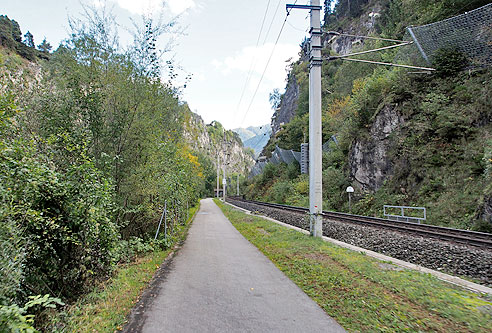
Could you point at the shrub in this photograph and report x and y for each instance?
(280, 191)
(57, 229)
(449, 61)
(15, 319)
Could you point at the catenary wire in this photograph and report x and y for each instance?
(266, 66)
(253, 63)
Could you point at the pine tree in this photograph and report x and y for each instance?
(29, 39)
(328, 11)
(45, 46)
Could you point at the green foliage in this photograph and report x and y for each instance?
(350, 8)
(45, 46)
(437, 151)
(399, 14)
(87, 162)
(15, 319)
(66, 231)
(11, 38)
(334, 184)
(10, 33)
(449, 61)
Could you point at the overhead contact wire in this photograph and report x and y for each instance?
(253, 63)
(267, 64)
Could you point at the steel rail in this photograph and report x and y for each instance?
(468, 237)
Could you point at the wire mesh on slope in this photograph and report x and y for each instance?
(470, 33)
(286, 156)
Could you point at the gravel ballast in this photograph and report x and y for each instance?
(448, 257)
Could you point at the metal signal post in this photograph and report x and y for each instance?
(315, 152)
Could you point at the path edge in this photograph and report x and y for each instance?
(136, 318)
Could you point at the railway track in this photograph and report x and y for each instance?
(479, 239)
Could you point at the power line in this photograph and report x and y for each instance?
(253, 62)
(296, 28)
(271, 23)
(266, 67)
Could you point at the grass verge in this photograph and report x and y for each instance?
(106, 308)
(360, 292)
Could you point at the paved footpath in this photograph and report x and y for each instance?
(219, 282)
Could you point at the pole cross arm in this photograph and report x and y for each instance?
(302, 7)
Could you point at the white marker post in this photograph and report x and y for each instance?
(224, 183)
(350, 190)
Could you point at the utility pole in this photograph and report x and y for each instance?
(224, 183)
(218, 174)
(315, 152)
(237, 184)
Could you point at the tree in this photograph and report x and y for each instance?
(10, 33)
(45, 46)
(29, 39)
(275, 98)
(328, 11)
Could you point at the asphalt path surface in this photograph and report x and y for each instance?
(219, 282)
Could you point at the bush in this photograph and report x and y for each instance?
(15, 319)
(449, 61)
(293, 170)
(280, 191)
(57, 230)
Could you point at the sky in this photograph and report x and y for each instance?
(219, 44)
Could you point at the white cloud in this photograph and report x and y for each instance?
(153, 6)
(257, 110)
(275, 73)
(179, 6)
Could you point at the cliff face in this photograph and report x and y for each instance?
(288, 106)
(368, 159)
(209, 140)
(362, 26)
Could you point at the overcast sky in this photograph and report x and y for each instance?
(218, 47)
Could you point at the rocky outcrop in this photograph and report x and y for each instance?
(365, 26)
(198, 137)
(368, 159)
(484, 216)
(288, 106)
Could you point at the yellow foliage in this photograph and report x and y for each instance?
(193, 160)
(358, 85)
(338, 105)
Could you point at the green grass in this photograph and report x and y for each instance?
(356, 291)
(107, 307)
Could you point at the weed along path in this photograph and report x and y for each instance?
(219, 282)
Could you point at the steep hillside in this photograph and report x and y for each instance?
(404, 138)
(213, 139)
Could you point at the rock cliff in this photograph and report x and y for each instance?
(368, 158)
(213, 140)
(288, 105)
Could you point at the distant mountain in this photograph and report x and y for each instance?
(255, 137)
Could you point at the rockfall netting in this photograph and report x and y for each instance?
(469, 33)
(280, 155)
